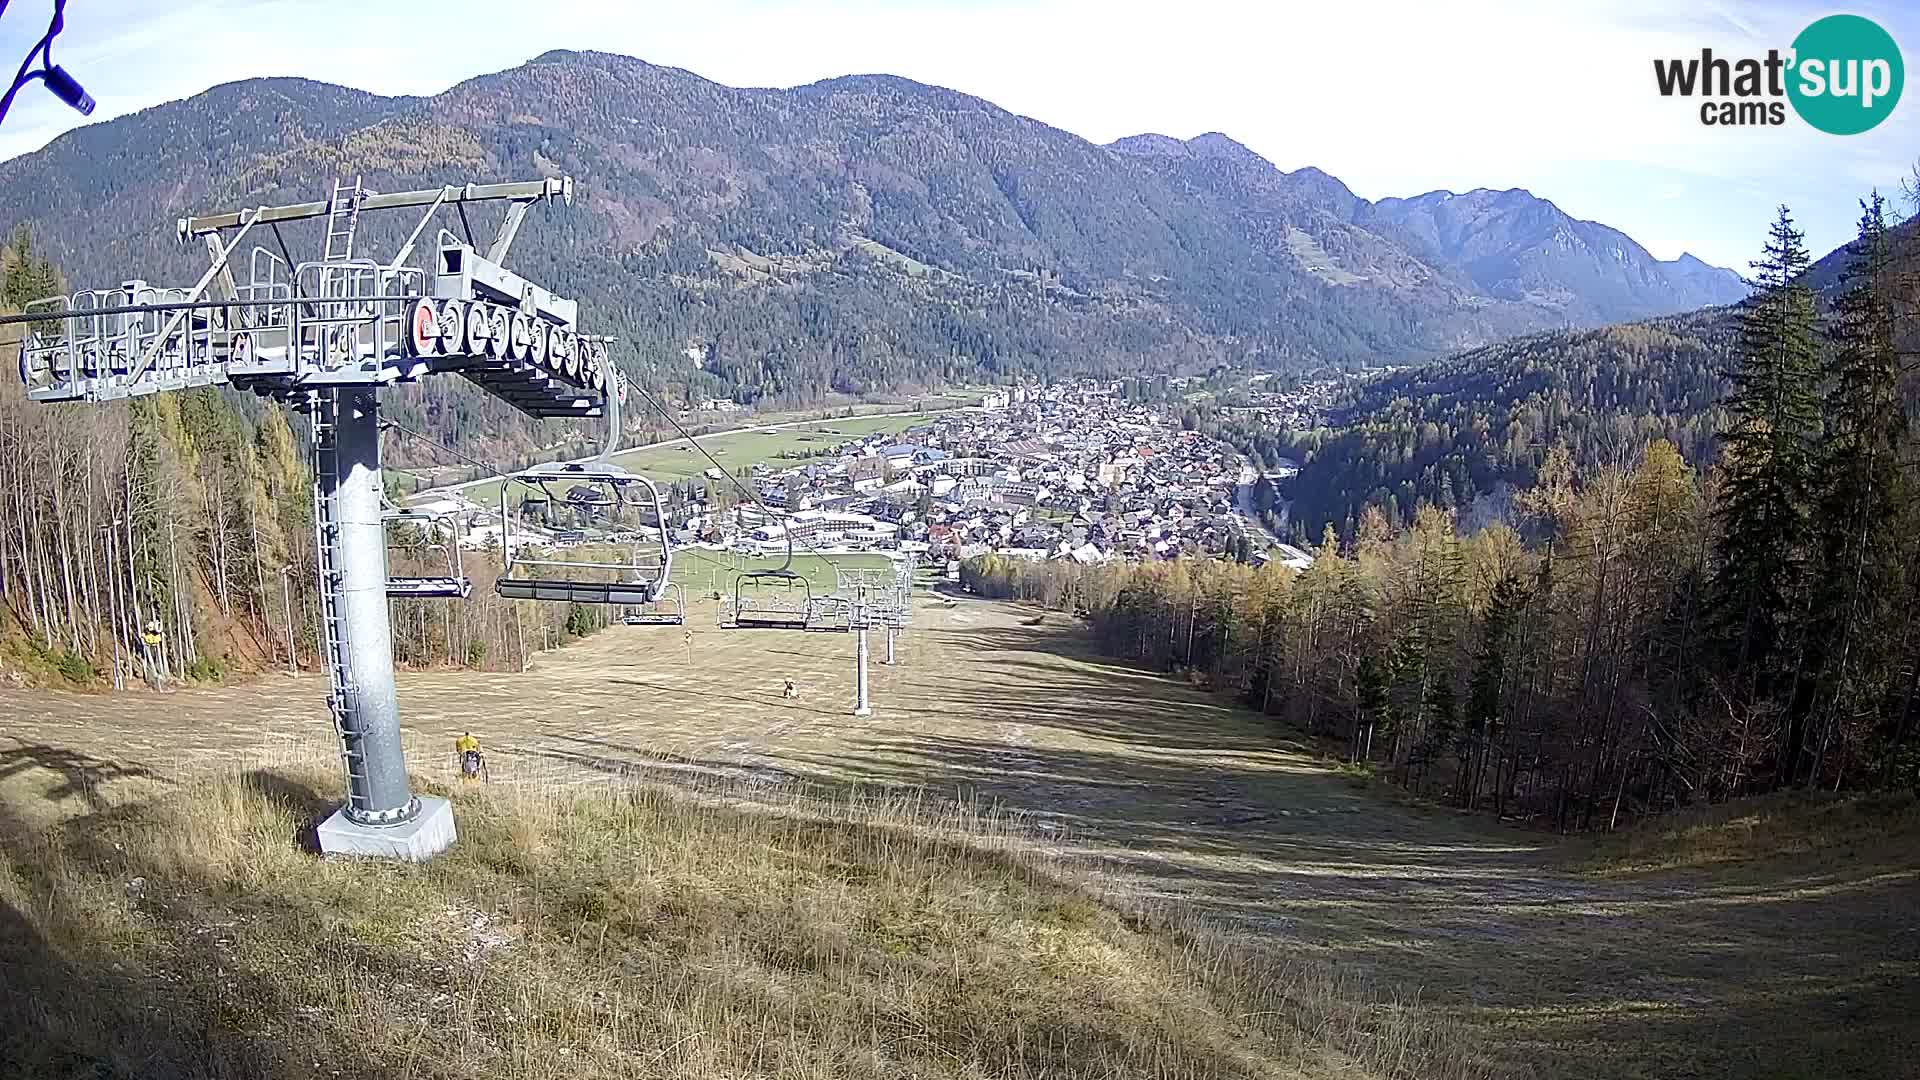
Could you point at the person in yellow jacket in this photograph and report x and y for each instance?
(472, 766)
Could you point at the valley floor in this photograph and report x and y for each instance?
(1812, 970)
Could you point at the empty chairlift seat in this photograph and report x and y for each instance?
(772, 600)
(666, 609)
(414, 588)
(596, 534)
(563, 591)
(431, 543)
(831, 613)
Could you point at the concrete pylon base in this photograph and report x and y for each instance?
(863, 711)
(428, 834)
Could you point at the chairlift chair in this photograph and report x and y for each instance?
(454, 585)
(777, 599)
(667, 609)
(596, 507)
(831, 613)
(602, 506)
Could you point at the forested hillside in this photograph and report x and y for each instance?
(1577, 686)
(1463, 433)
(857, 235)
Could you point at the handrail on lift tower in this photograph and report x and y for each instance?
(457, 309)
(549, 189)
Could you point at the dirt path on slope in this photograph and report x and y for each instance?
(1183, 797)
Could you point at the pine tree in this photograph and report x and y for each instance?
(1443, 724)
(1374, 706)
(1859, 498)
(26, 276)
(1768, 442)
(1486, 690)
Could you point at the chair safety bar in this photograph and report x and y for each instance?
(429, 588)
(578, 592)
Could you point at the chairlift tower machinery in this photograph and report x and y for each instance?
(325, 336)
(861, 620)
(879, 599)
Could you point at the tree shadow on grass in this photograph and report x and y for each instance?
(309, 805)
(636, 762)
(82, 775)
(1157, 716)
(738, 699)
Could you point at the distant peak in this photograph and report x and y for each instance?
(877, 78)
(1501, 196)
(1151, 143)
(593, 60)
(1479, 194)
(900, 88)
(581, 56)
(1214, 144)
(1689, 263)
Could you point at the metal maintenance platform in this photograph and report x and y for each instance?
(325, 336)
(339, 321)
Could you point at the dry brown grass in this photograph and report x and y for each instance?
(1146, 791)
(1804, 828)
(173, 930)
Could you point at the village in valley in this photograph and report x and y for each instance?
(1072, 471)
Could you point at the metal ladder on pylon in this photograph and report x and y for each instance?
(343, 221)
(346, 203)
(333, 623)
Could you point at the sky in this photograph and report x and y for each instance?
(1393, 98)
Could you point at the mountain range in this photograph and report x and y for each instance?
(864, 233)
(1505, 250)
(1465, 431)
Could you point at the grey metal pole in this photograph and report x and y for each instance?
(860, 706)
(286, 603)
(889, 659)
(113, 578)
(377, 790)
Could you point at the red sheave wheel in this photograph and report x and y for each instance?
(423, 336)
